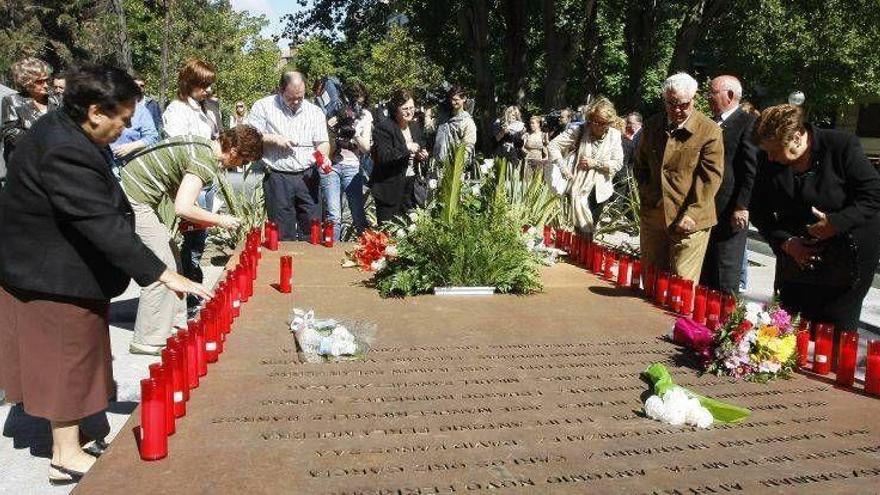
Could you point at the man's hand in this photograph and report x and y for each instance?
(280, 141)
(823, 228)
(740, 219)
(126, 149)
(182, 285)
(801, 251)
(413, 148)
(686, 225)
(228, 222)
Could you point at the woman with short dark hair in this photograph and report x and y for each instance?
(33, 100)
(69, 246)
(816, 202)
(398, 147)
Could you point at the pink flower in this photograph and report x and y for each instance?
(781, 319)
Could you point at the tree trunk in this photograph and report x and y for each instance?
(473, 20)
(640, 33)
(516, 42)
(559, 46)
(163, 83)
(591, 50)
(693, 27)
(124, 54)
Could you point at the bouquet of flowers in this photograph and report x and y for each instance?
(321, 340)
(675, 405)
(757, 343)
(372, 251)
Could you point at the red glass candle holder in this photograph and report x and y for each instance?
(284, 284)
(650, 280)
(610, 261)
(661, 288)
(197, 332)
(177, 343)
(701, 295)
(598, 255)
(171, 361)
(235, 291)
(154, 436)
(872, 370)
(315, 232)
(675, 294)
(328, 234)
(848, 350)
(159, 373)
(211, 337)
(713, 310)
(548, 236)
(192, 360)
(623, 271)
(687, 297)
(823, 349)
(636, 278)
(803, 348)
(728, 306)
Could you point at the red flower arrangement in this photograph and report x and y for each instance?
(371, 249)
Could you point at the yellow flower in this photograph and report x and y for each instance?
(768, 332)
(782, 348)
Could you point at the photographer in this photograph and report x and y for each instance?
(351, 129)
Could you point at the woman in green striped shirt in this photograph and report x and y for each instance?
(175, 170)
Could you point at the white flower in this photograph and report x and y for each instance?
(769, 367)
(487, 165)
(475, 189)
(400, 233)
(654, 407)
(378, 264)
(764, 319)
(342, 334)
(675, 394)
(391, 250)
(752, 312)
(703, 418)
(532, 231)
(411, 228)
(432, 183)
(675, 414)
(412, 216)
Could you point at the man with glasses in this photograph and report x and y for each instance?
(293, 129)
(679, 164)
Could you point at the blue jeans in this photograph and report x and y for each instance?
(350, 181)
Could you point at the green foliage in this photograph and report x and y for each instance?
(622, 211)
(450, 186)
(248, 207)
(316, 59)
(480, 244)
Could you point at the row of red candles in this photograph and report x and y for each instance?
(187, 354)
(711, 307)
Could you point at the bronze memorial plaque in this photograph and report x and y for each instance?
(511, 394)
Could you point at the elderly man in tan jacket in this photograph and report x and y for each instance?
(679, 165)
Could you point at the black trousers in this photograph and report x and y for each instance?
(722, 265)
(390, 195)
(292, 202)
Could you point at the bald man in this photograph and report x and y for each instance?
(722, 265)
(293, 129)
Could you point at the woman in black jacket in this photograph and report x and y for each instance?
(816, 201)
(34, 99)
(69, 246)
(398, 147)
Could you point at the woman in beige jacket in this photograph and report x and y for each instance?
(599, 155)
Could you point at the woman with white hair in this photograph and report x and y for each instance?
(599, 155)
(508, 132)
(34, 99)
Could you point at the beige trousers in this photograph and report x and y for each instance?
(159, 309)
(678, 253)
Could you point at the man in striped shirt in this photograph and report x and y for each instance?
(293, 129)
(175, 171)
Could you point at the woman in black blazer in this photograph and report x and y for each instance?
(69, 246)
(398, 146)
(815, 187)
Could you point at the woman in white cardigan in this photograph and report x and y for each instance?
(599, 155)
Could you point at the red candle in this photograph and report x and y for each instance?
(713, 310)
(575, 249)
(569, 240)
(328, 234)
(687, 297)
(197, 330)
(154, 436)
(824, 348)
(286, 274)
(608, 271)
(271, 237)
(235, 291)
(623, 271)
(675, 294)
(846, 358)
(254, 262)
(171, 361)
(315, 232)
(803, 348)
(159, 373)
(175, 342)
(209, 329)
(636, 279)
(650, 280)
(700, 303)
(872, 372)
(728, 305)
(596, 265)
(548, 235)
(192, 360)
(661, 288)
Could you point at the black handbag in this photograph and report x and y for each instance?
(837, 265)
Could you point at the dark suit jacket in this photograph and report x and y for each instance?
(390, 154)
(740, 165)
(67, 228)
(841, 182)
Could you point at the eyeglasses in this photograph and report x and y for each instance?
(407, 109)
(600, 123)
(239, 106)
(678, 105)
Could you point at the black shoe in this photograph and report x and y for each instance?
(95, 448)
(60, 475)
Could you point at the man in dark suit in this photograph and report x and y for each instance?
(724, 255)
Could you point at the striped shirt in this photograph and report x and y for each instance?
(156, 173)
(307, 127)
